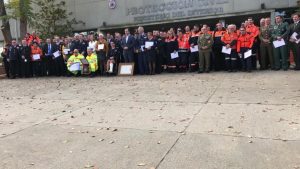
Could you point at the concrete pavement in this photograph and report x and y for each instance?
(169, 121)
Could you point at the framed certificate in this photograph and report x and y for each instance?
(126, 69)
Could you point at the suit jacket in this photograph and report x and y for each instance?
(54, 48)
(130, 43)
(295, 28)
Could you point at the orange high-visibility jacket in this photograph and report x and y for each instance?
(230, 38)
(244, 41)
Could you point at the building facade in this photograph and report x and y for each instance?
(108, 15)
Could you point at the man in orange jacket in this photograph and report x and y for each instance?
(244, 44)
(254, 32)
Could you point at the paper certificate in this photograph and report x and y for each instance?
(142, 48)
(248, 54)
(174, 55)
(75, 67)
(226, 51)
(278, 43)
(66, 51)
(294, 36)
(36, 57)
(56, 54)
(126, 69)
(100, 46)
(149, 44)
(194, 49)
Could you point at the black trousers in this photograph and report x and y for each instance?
(26, 69)
(297, 57)
(231, 60)
(218, 58)
(59, 66)
(6, 67)
(48, 68)
(183, 59)
(13, 68)
(142, 63)
(254, 55)
(246, 63)
(37, 68)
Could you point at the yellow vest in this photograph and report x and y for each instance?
(75, 59)
(93, 62)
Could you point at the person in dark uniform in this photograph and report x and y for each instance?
(4, 55)
(171, 47)
(161, 56)
(151, 53)
(113, 56)
(219, 58)
(25, 60)
(143, 67)
(83, 45)
(59, 64)
(193, 41)
(101, 50)
(74, 44)
(13, 56)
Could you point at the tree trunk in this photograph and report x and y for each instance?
(5, 28)
(23, 18)
(23, 27)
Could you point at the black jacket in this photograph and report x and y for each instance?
(13, 53)
(25, 51)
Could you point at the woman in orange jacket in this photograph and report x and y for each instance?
(229, 40)
(36, 56)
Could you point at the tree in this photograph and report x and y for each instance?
(5, 28)
(51, 18)
(22, 10)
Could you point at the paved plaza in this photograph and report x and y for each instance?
(170, 121)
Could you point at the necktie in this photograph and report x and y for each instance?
(49, 49)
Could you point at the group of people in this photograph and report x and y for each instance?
(176, 50)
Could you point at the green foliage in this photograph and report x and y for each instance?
(51, 18)
(20, 9)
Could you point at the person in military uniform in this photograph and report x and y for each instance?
(266, 49)
(25, 59)
(280, 32)
(293, 44)
(205, 42)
